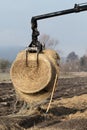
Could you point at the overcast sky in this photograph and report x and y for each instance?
(69, 30)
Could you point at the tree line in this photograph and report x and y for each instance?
(74, 63)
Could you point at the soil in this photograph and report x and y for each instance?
(68, 110)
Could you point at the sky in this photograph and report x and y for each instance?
(69, 30)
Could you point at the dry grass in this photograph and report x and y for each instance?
(78, 102)
(4, 77)
(72, 74)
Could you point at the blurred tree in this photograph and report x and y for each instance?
(72, 62)
(49, 42)
(72, 57)
(4, 64)
(83, 63)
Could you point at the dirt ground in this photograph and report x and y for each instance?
(68, 110)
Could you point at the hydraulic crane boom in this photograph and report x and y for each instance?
(35, 33)
(77, 8)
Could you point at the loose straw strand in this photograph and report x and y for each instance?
(52, 93)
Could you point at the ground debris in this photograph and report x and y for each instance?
(68, 110)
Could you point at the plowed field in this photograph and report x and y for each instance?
(68, 110)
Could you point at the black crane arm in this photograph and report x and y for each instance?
(35, 33)
(77, 8)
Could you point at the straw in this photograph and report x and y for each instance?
(34, 83)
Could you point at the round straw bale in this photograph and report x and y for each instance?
(34, 77)
(34, 83)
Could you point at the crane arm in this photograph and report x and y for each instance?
(77, 8)
(35, 33)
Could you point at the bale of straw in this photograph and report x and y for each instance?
(34, 83)
(34, 77)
